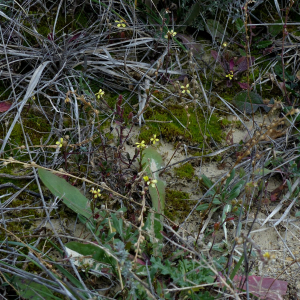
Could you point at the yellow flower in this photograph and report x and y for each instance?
(99, 94)
(60, 143)
(120, 23)
(230, 75)
(141, 145)
(185, 89)
(154, 139)
(170, 34)
(224, 44)
(269, 257)
(149, 181)
(96, 193)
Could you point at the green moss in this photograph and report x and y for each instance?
(185, 171)
(127, 105)
(176, 204)
(37, 128)
(33, 213)
(171, 131)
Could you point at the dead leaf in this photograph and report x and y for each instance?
(4, 106)
(275, 194)
(263, 287)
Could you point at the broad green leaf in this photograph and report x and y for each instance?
(69, 194)
(202, 207)
(153, 162)
(29, 289)
(287, 76)
(91, 250)
(297, 214)
(245, 102)
(216, 201)
(263, 44)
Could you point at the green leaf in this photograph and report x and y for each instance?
(207, 181)
(243, 101)
(215, 29)
(262, 172)
(29, 289)
(153, 161)
(288, 77)
(91, 250)
(69, 194)
(275, 29)
(71, 278)
(237, 267)
(297, 214)
(216, 201)
(190, 16)
(263, 44)
(242, 52)
(239, 24)
(230, 178)
(242, 172)
(235, 191)
(202, 207)
(118, 224)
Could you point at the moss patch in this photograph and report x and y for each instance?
(185, 171)
(176, 204)
(196, 125)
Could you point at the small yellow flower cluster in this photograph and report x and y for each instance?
(149, 181)
(96, 193)
(230, 75)
(224, 44)
(170, 34)
(121, 23)
(185, 89)
(100, 94)
(269, 257)
(141, 145)
(59, 143)
(154, 139)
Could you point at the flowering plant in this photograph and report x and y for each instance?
(232, 66)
